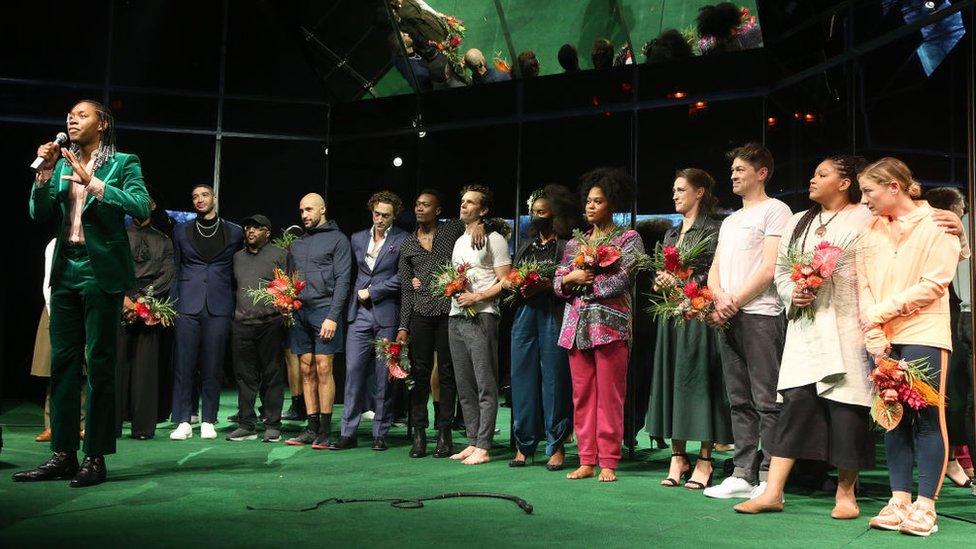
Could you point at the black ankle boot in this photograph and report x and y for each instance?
(419, 448)
(61, 466)
(297, 410)
(92, 472)
(445, 444)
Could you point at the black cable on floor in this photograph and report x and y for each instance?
(407, 503)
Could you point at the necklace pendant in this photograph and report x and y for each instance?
(821, 230)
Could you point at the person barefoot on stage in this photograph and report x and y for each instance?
(823, 376)
(88, 191)
(474, 338)
(597, 324)
(322, 258)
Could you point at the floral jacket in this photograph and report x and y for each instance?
(603, 315)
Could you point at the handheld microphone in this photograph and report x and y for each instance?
(60, 140)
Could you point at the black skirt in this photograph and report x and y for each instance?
(812, 427)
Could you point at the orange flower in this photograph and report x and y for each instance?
(699, 303)
(814, 281)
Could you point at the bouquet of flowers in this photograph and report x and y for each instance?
(450, 46)
(900, 383)
(811, 270)
(675, 260)
(526, 275)
(150, 310)
(449, 281)
(682, 302)
(281, 292)
(598, 254)
(397, 360)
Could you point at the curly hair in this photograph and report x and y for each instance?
(564, 207)
(617, 185)
(486, 195)
(387, 197)
(718, 20)
(670, 44)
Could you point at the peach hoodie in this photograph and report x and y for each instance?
(904, 267)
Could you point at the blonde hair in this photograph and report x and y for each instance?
(888, 169)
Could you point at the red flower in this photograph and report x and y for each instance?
(394, 350)
(299, 286)
(296, 304)
(691, 290)
(607, 255)
(671, 260)
(454, 41)
(532, 278)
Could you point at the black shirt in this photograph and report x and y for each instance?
(252, 271)
(152, 253)
(209, 246)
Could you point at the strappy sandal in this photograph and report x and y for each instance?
(694, 484)
(672, 483)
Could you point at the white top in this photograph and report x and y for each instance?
(374, 247)
(829, 350)
(481, 275)
(740, 249)
(48, 260)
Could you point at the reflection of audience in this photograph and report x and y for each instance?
(442, 75)
(528, 64)
(602, 54)
(424, 24)
(670, 44)
(569, 58)
(724, 27)
(412, 62)
(481, 73)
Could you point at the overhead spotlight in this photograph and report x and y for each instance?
(397, 162)
(421, 134)
(930, 5)
(678, 94)
(809, 118)
(325, 151)
(771, 121)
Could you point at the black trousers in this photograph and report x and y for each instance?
(137, 379)
(257, 353)
(427, 335)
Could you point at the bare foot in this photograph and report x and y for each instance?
(957, 474)
(679, 466)
(584, 471)
(845, 510)
(477, 457)
(557, 458)
(519, 456)
(463, 454)
(761, 504)
(608, 475)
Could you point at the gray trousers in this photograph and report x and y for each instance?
(474, 351)
(752, 348)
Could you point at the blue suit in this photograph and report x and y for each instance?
(204, 294)
(377, 318)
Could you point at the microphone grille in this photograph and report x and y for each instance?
(61, 138)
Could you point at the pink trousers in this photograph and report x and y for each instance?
(599, 387)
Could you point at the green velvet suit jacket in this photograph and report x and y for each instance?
(103, 220)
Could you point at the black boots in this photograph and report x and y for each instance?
(419, 448)
(445, 445)
(297, 410)
(61, 466)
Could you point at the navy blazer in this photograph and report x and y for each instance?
(198, 284)
(383, 280)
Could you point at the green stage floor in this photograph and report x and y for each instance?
(165, 493)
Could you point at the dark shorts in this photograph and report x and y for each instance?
(304, 335)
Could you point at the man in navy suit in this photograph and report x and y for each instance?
(204, 251)
(373, 314)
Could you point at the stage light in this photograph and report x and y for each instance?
(595, 101)
(809, 118)
(677, 95)
(930, 5)
(771, 121)
(397, 162)
(797, 115)
(700, 104)
(421, 134)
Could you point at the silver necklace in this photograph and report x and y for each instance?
(215, 227)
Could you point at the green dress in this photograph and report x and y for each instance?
(688, 398)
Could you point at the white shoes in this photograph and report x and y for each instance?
(207, 430)
(368, 415)
(733, 487)
(183, 431)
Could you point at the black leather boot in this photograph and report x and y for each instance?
(92, 472)
(297, 410)
(61, 466)
(419, 448)
(445, 444)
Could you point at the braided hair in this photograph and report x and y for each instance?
(848, 166)
(106, 146)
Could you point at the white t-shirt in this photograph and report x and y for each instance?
(740, 249)
(481, 275)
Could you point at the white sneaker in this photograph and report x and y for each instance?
(731, 487)
(207, 430)
(183, 431)
(368, 415)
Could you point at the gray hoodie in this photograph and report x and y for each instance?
(322, 258)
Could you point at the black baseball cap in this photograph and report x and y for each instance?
(256, 220)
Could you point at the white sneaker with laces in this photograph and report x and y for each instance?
(207, 430)
(183, 431)
(368, 415)
(731, 487)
